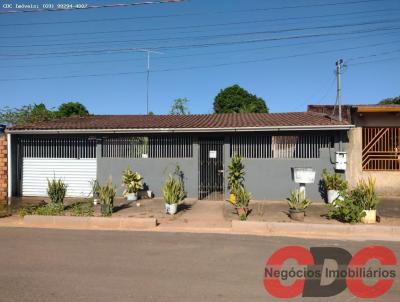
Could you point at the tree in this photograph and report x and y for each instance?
(179, 107)
(38, 113)
(237, 99)
(26, 114)
(72, 108)
(389, 101)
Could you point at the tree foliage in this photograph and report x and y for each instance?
(72, 108)
(38, 113)
(25, 114)
(179, 107)
(390, 101)
(236, 99)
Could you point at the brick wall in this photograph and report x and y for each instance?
(3, 168)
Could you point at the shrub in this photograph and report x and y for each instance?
(364, 194)
(82, 209)
(132, 181)
(333, 181)
(173, 191)
(56, 190)
(106, 195)
(242, 197)
(297, 201)
(242, 202)
(236, 173)
(346, 210)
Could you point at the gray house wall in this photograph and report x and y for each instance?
(271, 178)
(266, 178)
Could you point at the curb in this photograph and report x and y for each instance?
(317, 230)
(90, 222)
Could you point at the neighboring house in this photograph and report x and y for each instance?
(374, 148)
(3, 164)
(80, 149)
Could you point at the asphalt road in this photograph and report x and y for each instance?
(63, 265)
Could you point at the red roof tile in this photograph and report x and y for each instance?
(229, 120)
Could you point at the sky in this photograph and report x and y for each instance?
(282, 51)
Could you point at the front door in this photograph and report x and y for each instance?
(211, 168)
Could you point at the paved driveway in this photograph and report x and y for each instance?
(62, 265)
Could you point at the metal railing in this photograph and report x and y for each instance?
(56, 147)
(167, 146)
(281, 146)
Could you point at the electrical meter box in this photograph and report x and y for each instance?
(341, 160)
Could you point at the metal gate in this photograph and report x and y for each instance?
(211, 169)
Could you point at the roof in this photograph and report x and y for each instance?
(378, 108)
(185, 123)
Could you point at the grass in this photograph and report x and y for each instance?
(82, 209)
(50, 209)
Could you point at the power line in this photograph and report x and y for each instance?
(207, 53)
(370, 56)
(209, 36)
(198, 26)
(375, 61)
(75, 7)
(192, 14)
(294, 37)
(185, 68)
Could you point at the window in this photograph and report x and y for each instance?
(280, 146)
(57, 147)
(168, 146)
(381, 149)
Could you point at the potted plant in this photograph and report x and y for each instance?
(297, 205)
(173, 193)
(242, 202)
(334, 184)
(364, 194)
(106, 194)
(235, 176)
(132, 181)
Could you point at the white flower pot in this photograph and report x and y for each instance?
(173, 208)
(370, 216)
(166, 208)
(149, 194)
(332, 195)
(132, 196)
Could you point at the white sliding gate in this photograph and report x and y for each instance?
(76, 173)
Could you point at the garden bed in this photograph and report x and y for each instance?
(277, 211)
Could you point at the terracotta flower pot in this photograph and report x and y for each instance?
(297, 215)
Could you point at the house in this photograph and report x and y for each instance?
(374, 144)
(80, 149)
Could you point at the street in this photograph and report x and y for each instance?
(65, 265)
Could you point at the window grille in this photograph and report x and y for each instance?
(283, 146)
(54, 147)
(381, 149)
(152, 147)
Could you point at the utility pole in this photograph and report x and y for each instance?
(339, 64)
